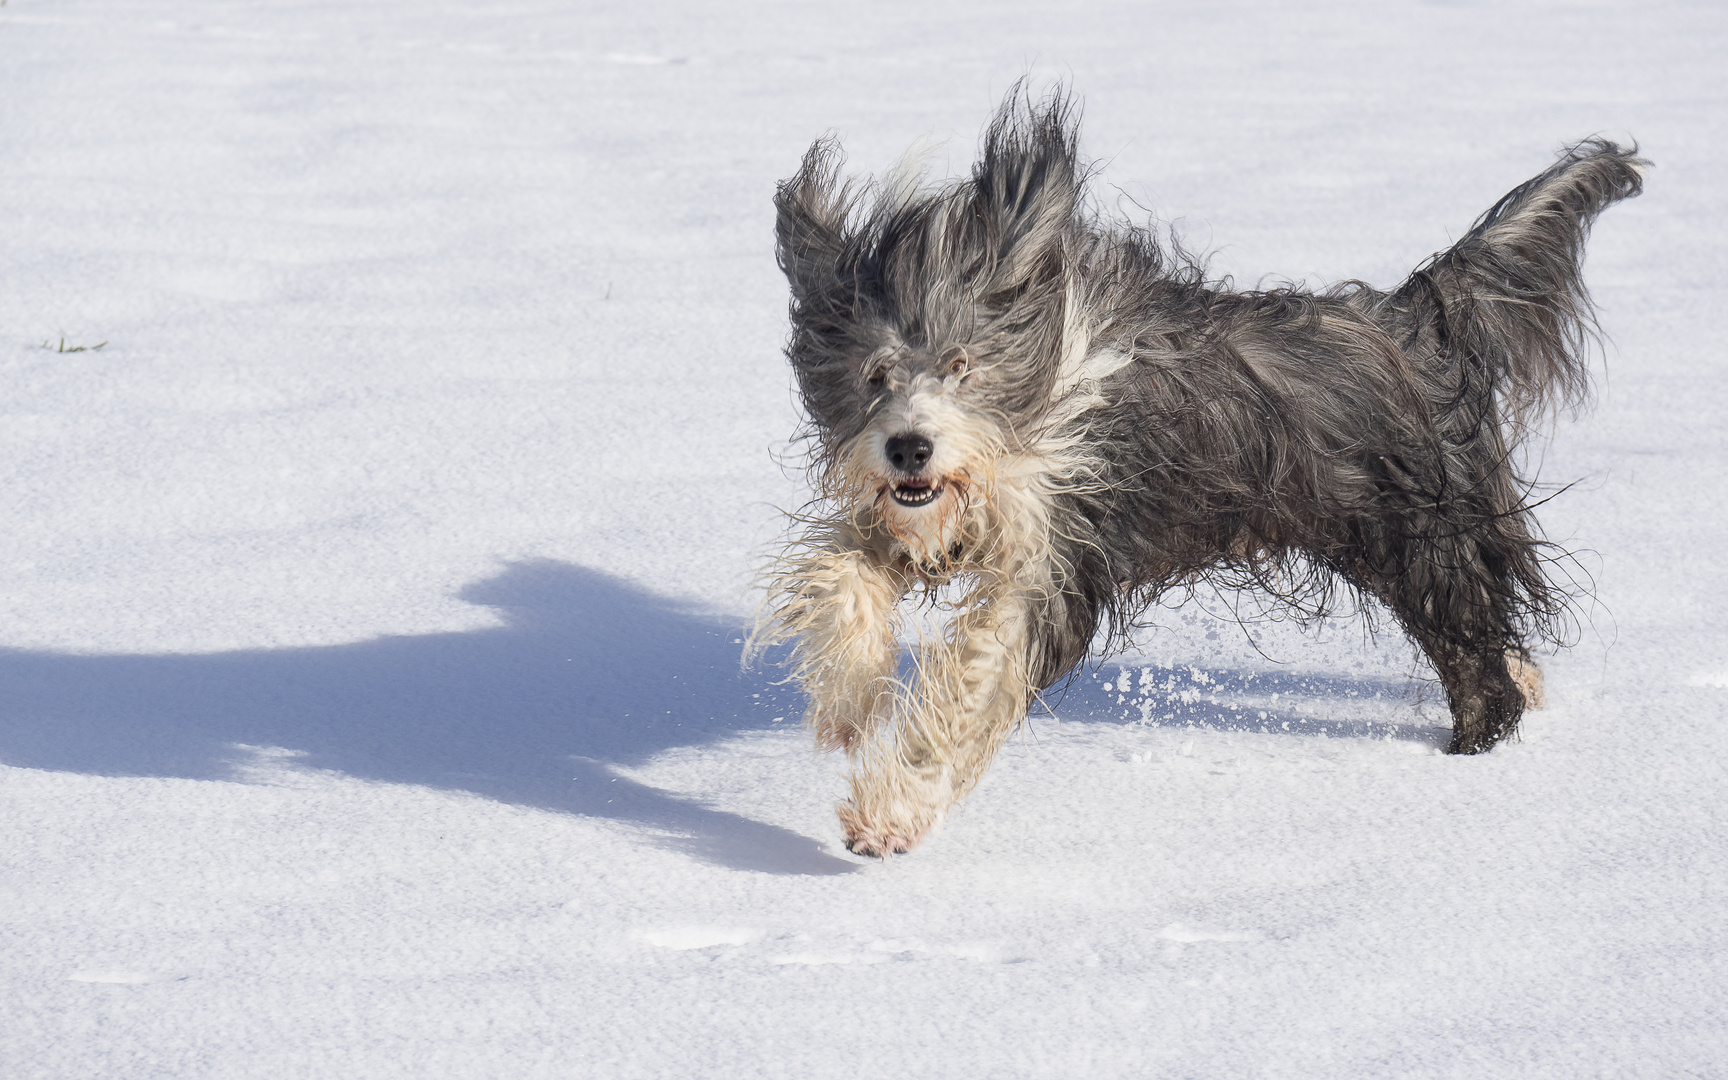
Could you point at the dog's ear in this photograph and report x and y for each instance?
(1025, 195)
(810, 227)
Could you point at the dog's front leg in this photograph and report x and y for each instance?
(973, 689)
(837, 595)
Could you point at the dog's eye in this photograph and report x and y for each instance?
(958, 365)
(878, 377)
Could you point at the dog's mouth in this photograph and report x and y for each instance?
(916, 492)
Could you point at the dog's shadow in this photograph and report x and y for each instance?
(586, 673)
(1298, 704)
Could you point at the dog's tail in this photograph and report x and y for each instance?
(1508, 300)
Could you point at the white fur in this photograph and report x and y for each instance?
(919, 747)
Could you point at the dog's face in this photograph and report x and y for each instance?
(925, 439)
(929, 326)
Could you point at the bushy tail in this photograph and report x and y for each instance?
(1509, 299)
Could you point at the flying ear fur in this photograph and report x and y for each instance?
(1026, 193)
(810, 229)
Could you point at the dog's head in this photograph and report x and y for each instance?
(931, 326)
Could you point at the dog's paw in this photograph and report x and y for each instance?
(878, 847)
(878, 837)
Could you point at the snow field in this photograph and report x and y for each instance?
(369, 701)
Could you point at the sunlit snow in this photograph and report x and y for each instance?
(394, 424)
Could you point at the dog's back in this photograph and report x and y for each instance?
(1291, 439)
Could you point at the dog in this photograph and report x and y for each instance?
(1042, 420)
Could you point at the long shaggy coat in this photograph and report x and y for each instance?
(1052, 419)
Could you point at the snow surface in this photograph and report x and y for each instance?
(369, 697)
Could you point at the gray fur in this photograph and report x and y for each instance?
(1285, 439)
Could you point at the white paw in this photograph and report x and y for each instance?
(881, 835)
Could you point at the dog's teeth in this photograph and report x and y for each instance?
(908, 495)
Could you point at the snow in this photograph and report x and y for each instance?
(373, 595)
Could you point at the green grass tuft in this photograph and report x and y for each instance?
(65, 348)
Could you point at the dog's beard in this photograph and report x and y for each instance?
(925, 513)
(931, 532)
(924, 521)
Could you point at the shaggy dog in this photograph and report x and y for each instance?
(1044, 420)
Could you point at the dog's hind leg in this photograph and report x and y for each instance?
(1486, 702)
(1451, 594)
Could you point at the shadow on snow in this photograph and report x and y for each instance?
(1266, 702)
(587, 672)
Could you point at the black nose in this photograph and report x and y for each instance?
(908, 453)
